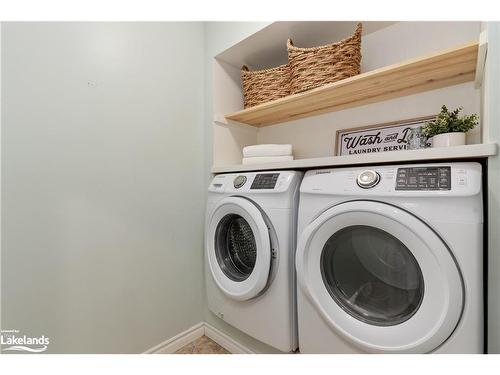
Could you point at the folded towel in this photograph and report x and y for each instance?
(267, 150)
(266, 159)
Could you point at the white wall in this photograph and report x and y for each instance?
(103, 182)
(492, 111)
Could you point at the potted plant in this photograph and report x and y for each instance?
(448, 129)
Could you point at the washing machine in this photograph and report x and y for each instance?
(389, 260)
(250, 235)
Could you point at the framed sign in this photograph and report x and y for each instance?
(391, 136)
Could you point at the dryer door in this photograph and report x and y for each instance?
(238, 248)
(380, 277)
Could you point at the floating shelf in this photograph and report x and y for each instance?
(447, 68)
(443, 153)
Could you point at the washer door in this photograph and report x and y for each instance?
(380, 277)
(238, 248)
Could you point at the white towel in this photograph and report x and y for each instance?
(267, 150)
(266, 159)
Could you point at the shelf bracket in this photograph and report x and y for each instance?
(481, 58)
(220, 120)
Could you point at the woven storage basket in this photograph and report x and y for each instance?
(317, 66)
(261, 86)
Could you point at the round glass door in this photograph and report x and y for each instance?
(235, 247)
(372, 275)
(238, 248)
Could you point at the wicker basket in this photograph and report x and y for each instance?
(261, 86)
(317, 66)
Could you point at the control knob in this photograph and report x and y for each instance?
(239, 181)
(368, 179)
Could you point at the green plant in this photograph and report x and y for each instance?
(450, 122)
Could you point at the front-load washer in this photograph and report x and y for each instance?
(250, 251)
(389, 259)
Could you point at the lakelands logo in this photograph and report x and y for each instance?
(13, 340)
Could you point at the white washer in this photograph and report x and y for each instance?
(389, 260)
(250, 250)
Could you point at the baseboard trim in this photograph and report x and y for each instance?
(173, 344)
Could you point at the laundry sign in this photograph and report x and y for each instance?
(392, 136)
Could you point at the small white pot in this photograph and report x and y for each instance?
(448, 139)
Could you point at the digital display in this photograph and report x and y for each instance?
(424, 178)
(265, 181)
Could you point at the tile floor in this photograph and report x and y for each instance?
(203, 345)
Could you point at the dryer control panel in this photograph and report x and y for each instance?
(443, 179)
(424, 178)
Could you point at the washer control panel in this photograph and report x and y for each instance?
(368, 179)
(271, 182)
(424, 178)
(265, 181)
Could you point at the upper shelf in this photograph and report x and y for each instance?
(446, 68)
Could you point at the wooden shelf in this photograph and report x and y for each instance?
(429, 154)
(447, 68)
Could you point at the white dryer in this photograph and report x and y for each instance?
(389, 260)
(250, 250)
